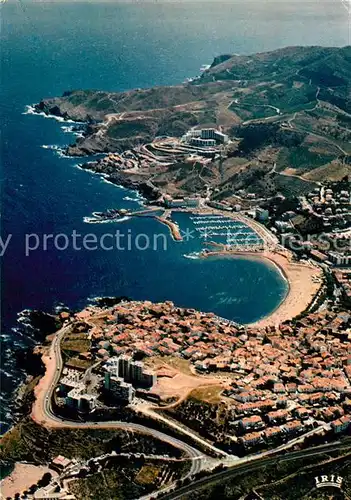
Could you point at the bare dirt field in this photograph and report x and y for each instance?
(175, 378)
(22, 478)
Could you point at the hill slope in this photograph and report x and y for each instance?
(291, 107)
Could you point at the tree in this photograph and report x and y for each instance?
(45, 480)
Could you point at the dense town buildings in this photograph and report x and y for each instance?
(284, 380)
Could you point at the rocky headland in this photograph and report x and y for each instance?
(269, 104)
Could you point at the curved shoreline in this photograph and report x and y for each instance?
(299, 295)
(297, 298)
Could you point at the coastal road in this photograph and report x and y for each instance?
(43, 413)
(250, 467)
(42, 410)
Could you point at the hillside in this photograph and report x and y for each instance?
(288, 113)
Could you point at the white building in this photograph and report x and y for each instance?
(189, 202)
(212, 133)
(203, 143)
(207, 137)
(80, 400)
(339, 259)
(125, 369)
(119, 388)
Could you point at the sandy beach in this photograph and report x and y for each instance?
(22, 478)
(303, 278)
(40, 390)
(304, 282)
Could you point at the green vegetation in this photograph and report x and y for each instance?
(335, 171)
(127, 129)
(329, 67)
(344, 119)
(301, 484)
(123, 479)
(254, 112)
(292, 186)
(283, 480)
(85, 104)
(302, 158)
(75, 342)
(147, 474)
(210, 394)
(78, 363)
(278, 103)
(28, 441)
(287, 96)
(203, 413)
(105, 485)
(258, 135)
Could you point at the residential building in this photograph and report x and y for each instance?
(123, 366)
(118, 388)
(262, 215)
(254, 422)
(339, 259)
(341, 424)
(60, 463)
(200, 137)
(190, 202)
(79, 400)
(130, 371)
(251, 439)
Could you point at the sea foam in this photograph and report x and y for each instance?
(30, 110)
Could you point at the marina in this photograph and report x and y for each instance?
(210, 228)
(225, 230)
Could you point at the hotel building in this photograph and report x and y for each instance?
(130, 371)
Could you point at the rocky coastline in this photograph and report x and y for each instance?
(37, 326)
(146, 188)
(253, 99)
(87, 145)
(55, 107)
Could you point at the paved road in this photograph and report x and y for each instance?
(45, 401)
(197, 458)
(249, 468)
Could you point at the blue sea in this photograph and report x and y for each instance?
(47, 48)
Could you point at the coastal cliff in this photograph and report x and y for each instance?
(146, 188)
(141, 114)
(270, 104)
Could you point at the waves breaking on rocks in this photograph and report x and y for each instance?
(31, 328)
(30, 110)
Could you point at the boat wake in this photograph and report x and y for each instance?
(95, 220)
(193, 256)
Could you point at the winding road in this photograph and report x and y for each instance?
(250, 467)
(42, 409)
(43, 413)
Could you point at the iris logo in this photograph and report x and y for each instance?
(325, 481)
